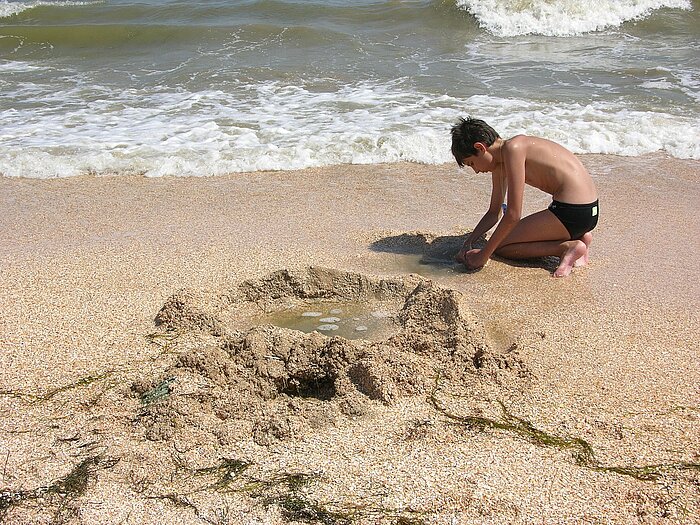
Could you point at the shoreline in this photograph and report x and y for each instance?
(87, 263)
(53, 216)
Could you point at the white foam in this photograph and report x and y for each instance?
(601, 128)
(13, 66)
(658, 84)
(560, 17)
(276, 127)
(690, 83)
(15, 8)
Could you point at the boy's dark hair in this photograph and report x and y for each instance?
(468, 131)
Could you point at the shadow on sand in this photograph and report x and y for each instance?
(439, 251)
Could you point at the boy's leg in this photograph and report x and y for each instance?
(587, 240)
(542, 234)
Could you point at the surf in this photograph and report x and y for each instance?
(508, 18)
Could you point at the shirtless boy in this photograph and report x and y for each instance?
(563, 230)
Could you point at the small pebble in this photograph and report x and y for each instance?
(361, 328)
(327, 327)
(378, 314)
(330, 320)
(336, 311)
(312, 314)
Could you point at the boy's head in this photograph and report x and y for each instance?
(467, 132)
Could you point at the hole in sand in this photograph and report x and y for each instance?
(253, 361)
(321, 388)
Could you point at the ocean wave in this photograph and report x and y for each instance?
(508, 18)
(106, 36)
(273, 126)
(14, 8)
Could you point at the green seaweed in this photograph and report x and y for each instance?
(164, 340)
(227, 471)
(297, 506)
(300, 508)
(36, 398)
(84, 381)
(650, 472)
(169, 338)
(158, 392)
(68, 488)
(284, 490)
(582, 451)
(76, 482)
(176, 499)
(404, 520)
(291, 482)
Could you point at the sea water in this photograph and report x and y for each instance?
(351, 320)
(203, 88)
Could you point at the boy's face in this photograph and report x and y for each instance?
(481, 161)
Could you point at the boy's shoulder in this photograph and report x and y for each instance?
(530, 145)
(517, 145)
(519, 141)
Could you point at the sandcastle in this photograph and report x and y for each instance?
(239, 379)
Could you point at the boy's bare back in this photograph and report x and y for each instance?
(549, 167)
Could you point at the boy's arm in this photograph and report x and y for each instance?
(485, 224)
(513, 155)
(490, 218)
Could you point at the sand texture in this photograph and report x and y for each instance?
(146, 376)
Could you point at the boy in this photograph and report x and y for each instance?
(562, 230)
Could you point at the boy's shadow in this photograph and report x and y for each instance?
(440, 251)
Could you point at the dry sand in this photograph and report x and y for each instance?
(581, 374)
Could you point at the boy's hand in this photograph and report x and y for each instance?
(474, 259)
(461, 254)
(460, 257)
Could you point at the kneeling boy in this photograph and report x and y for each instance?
(562, 230)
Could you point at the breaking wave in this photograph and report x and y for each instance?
(509, 18)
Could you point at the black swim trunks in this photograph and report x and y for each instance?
(577, 218)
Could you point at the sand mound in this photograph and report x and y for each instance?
(273, 383)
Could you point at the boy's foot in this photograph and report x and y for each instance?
(586, 239)
(575, 250)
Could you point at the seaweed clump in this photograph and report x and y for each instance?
(61, 491)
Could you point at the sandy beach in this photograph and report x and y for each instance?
(590, 406)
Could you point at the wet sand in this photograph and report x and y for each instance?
(86, 263)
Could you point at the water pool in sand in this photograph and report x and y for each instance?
(349, 320)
